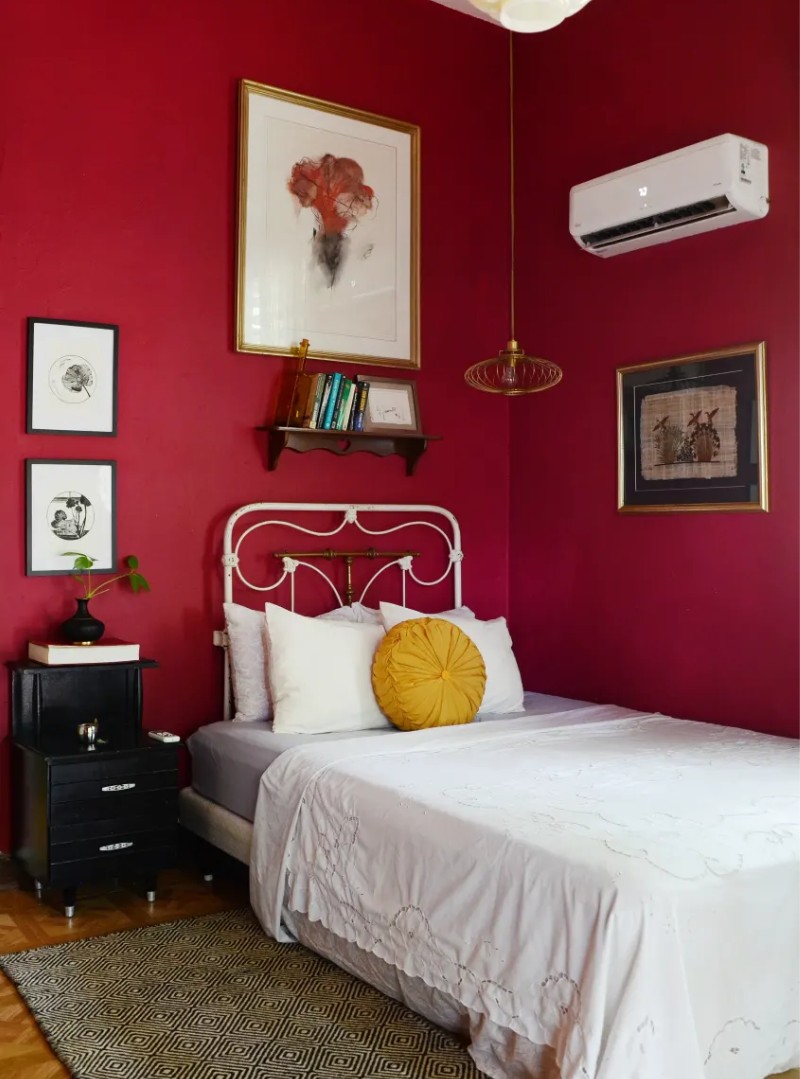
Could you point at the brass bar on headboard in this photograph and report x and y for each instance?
(348, 557)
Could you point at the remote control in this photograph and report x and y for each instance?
(163, 736)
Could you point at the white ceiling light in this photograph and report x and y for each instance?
(529, 16)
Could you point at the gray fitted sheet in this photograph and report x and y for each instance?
(228, 759)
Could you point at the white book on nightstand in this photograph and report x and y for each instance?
(108, 650)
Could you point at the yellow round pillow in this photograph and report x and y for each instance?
(428, 673)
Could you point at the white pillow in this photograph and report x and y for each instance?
(504, 690)
(320, 674)
(248, 657)
(357, 612)
(247, 640)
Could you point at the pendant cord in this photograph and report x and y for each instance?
(511, 183)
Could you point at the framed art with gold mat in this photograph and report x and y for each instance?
(328, 244)
(692, 433)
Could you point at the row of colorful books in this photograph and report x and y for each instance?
(329, 402)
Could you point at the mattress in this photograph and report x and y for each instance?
(228, 759)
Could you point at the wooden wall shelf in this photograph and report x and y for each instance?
(302, 439)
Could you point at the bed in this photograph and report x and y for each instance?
(582, 891)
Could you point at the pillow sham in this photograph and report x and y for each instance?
(504, 690)
(320, 674)
(247, 641)
(428, 673)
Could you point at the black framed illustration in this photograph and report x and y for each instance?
(692, 433)
(72, 377)
(71, 506)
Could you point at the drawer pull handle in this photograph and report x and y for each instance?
(119, 787)
(117, 846)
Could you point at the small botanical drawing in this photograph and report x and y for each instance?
(700, 443)
(333, 189)
(72, 379)
(688, 433)
(70, 515)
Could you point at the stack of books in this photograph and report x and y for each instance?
(329, 402)
(108, 650)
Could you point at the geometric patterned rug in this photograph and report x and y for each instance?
(215, 998)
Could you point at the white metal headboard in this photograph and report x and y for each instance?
(283, 514)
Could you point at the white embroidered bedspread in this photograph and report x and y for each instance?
(621, 887)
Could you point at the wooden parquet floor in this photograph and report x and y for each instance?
(26, 922)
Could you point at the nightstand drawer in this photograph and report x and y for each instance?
(112, 787)
(139, 836)
(136, 860)
(82, 820)
(107, 770)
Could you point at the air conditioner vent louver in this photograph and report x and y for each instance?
(667, 219)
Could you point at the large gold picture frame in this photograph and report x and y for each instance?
(692, 433)
(328, 244)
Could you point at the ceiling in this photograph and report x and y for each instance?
(466, 7)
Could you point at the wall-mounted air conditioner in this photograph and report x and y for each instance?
(710, 185)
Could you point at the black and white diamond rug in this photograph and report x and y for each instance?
(215, 998)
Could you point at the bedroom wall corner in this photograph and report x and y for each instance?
(692, 614)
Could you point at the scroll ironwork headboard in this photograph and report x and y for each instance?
(297, 517)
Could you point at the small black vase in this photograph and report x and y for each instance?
(82, 628)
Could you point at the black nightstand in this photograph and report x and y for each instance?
(84, 812)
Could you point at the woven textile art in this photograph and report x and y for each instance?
(215, 998)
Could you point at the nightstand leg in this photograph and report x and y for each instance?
(38, 887)
(70, 895)
(150, 888)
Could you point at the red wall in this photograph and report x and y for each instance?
(117, 147)
(693, 614)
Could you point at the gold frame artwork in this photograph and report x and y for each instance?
(328, 230)
(692, 433)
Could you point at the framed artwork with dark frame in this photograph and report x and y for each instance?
(71, 506)
(391, 407)
(72, 377)
(692, 433)
(328, 230)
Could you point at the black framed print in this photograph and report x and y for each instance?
(71, 506)
(72, 377)
(692, 433)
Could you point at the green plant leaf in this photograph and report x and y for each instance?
(132, 562)
(83, 562)
(139, 583)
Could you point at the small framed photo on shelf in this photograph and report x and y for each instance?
(391, 407)
(71, 506)
(692, 433)
(72, 377)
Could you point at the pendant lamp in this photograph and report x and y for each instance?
(529, 16)
(512, 372)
